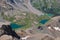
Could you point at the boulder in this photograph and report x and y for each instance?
(6, 37)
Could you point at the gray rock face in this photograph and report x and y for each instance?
(6, 37)
(1, 32)
(47, 38)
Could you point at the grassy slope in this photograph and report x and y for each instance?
(28, 20)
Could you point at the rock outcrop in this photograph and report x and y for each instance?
(7, 30)
(6, 37)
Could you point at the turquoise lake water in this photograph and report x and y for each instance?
(15, 26)
(43, 21)
(50, 15)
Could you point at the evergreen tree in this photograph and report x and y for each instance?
(48, 6)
